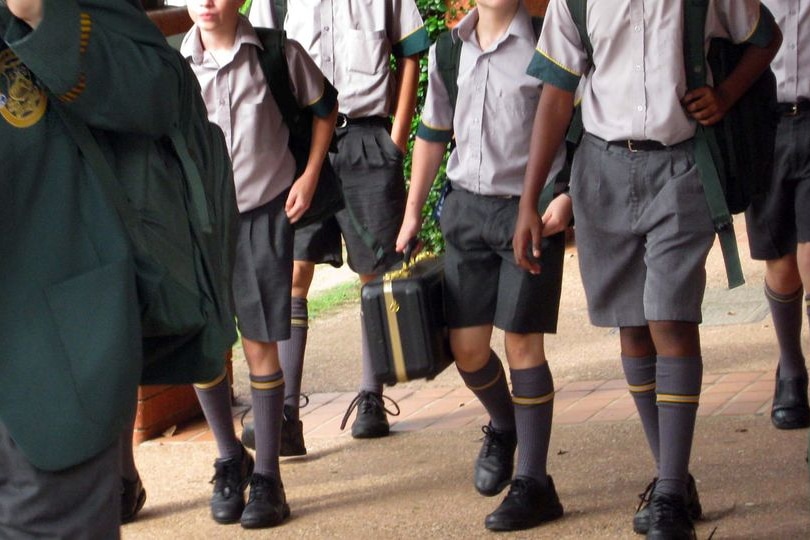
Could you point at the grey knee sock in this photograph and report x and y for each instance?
(368, 382)
(533, 398)
(786, 311)
(490, 387)
(678, 383)
(215, 400)
(291, 355)
(640, 376)
(267, 393)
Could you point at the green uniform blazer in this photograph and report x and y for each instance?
(70, 357)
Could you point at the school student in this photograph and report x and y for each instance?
(492, 123)
(67, 263)
(779, 225)
(352, 41)
(643, 225)
(222, 48)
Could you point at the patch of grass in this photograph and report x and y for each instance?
(326, 301)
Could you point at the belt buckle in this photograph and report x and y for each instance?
(794, 110)
(342, 121)
(631, 147)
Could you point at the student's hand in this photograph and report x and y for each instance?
(300, 197)
(409, 230)
(526, 240)
(29, 11)
(558, 215)
(707, 105)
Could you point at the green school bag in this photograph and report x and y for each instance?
(175, 196)
(448, 57)
(734, 156)
(328, 197)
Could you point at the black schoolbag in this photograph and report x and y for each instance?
(328, 197)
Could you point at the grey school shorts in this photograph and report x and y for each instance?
(262, 273)
(643, 233)
(776, 223)
(83, 501)
(483, 285)
(369, 165)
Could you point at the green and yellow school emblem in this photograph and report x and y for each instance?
(22, 102)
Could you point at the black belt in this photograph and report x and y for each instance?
(793, 109)
(344, 121)
(639, 146)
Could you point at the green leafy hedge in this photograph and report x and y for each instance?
(433, 12)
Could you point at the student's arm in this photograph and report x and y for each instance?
(407, 77)
(709, 105)
(102, 59)
(427, 158)
(304, 186)
(550, 125)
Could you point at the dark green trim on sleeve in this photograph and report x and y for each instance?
(763, 34)
(550, 73)
(416, 43)
(323, 107)
(434, 135)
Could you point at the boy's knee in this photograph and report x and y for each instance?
(524, 351)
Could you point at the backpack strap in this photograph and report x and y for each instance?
(578, 9)
(273, 61)
(448, 56)
(281, 12)
(707, 154)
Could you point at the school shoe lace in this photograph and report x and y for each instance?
(371, 420)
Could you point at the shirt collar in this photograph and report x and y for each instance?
(192, 46)
(520, 27)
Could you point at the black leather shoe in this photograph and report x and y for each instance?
(527, 505)
(371, 421)
(231, 477)
(790, 409)
(292, 435)
(669, 518)
(267, 504)
(133, 497)
(641, 520)
(248, 436)
(496, 459)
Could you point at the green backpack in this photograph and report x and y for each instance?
(448, 57)
(735, 156)
(175, 197)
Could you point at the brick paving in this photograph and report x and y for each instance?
(439, 408)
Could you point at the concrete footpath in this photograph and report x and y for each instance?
(417, 483)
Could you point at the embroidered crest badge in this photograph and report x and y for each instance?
(22, 101)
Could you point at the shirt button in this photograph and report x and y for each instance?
(637, 28)
(638, 67)
(325, 28)
(640, 108)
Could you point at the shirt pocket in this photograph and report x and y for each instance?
(366, 51)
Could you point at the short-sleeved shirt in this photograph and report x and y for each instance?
(494, 111)
(241, 104)
(635, 88)
(352, 42)
(792, 62)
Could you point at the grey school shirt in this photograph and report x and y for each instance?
(352, 42)
(792, 62)
(495, 109)
(633, 88)
(241, 104)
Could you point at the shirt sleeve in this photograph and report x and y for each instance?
(741, 21)
(106, 61)
(436, 122)
(407, 31)
(560, 58)
(310, 87)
